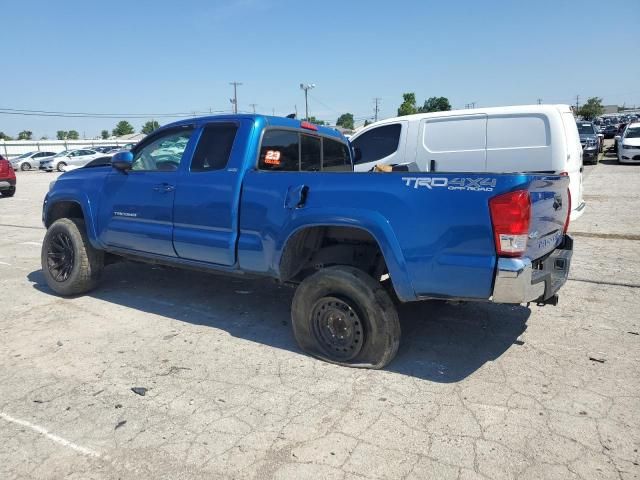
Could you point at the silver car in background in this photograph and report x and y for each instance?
(28, 160)
(74, 158)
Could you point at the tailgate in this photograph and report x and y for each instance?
(550, 205)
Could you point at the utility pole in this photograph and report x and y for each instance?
(577, 103)
(234, 100)
(539, 101)
(273, 111)
(253, 105)
(306, 89)
(376, 109)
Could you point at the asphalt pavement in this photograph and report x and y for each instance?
(477, 390)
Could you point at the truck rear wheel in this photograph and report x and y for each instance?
(342, 315)
(70, 264)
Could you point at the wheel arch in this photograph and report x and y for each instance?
(306, 236)
(69, 207)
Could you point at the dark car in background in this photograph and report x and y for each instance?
(590, 142)
(610, 130)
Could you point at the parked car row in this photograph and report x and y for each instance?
(46, 160)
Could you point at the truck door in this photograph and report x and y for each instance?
(205, 210)
(136, 210)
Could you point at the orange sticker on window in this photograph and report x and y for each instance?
(272, 157)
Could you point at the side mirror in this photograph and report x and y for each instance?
(357, 154)
(122, 161)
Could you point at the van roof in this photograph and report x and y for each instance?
(511, 109)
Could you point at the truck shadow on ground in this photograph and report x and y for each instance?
(441, 341)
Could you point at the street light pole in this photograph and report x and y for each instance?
(306, 89)
(234, 100)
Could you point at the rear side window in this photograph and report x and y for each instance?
(455, 134)
(378, 143)
(214, 147)
(291, 151)
(310, 153)
(518, 131)
(335, 156)
(280, 151)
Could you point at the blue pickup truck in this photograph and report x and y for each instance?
(277, 197)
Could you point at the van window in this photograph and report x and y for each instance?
(279, 151)
(378, 142)
(517, 131)
(455, 134)
(335, 156)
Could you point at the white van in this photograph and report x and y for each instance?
(526, 138)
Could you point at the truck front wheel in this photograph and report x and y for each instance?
(70, 264)
(342, 315)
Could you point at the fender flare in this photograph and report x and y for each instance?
(374, 223)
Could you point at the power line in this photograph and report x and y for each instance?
(48, 113)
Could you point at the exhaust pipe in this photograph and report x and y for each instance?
(552, 300)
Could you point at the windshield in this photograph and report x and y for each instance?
(25, 155)
(632, 133)
(62, 153)
(585, 129)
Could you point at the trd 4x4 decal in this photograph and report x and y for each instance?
(458, 183)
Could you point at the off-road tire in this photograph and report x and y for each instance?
(87, 262)
(348, 290)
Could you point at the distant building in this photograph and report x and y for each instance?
(611, 108)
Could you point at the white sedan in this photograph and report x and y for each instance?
(74, 158)
(629, 144)
(28, 160)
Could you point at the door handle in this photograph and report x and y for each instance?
(164, 188)
(296, 197)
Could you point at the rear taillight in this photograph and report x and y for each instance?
(510, 217)
(566, 222)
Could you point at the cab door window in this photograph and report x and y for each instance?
(162, 153)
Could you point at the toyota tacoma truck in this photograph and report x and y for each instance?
(278, 198)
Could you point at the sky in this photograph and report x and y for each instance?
(158, 57)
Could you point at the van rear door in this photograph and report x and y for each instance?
(573, 164)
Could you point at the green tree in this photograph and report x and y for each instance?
(346, 121)
(592, 109)
(123, 128)
(61, 134)
(73, 135)
(25, 135)
(104, 134)
(149, 127)
(408, 106)
(435, 104)
(367, 122)
(315, 121)
(4, 136)
(44, 137)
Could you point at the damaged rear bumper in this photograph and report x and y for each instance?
(520, 280)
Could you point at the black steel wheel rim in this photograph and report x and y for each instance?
(337, 328)
(60, 256)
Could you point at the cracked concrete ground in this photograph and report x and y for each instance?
(477, 390)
